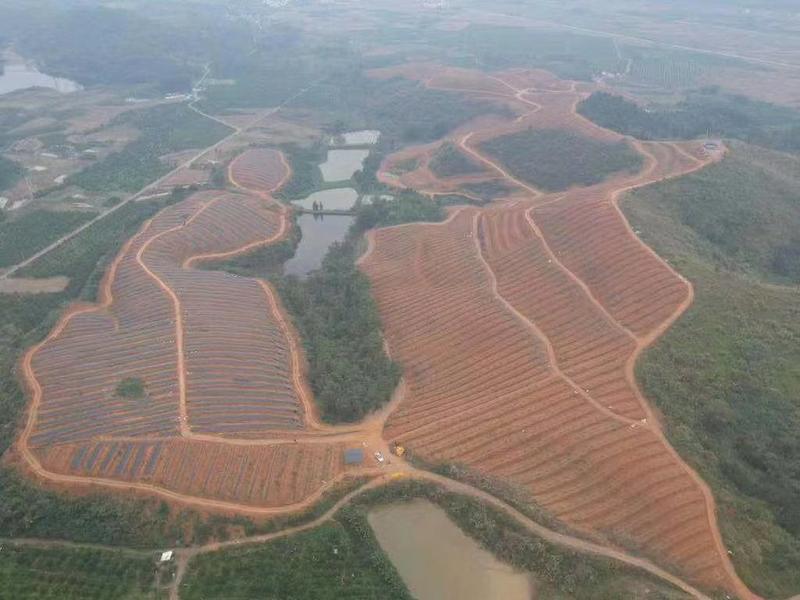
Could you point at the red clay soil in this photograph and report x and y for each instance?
(423, 179)
(227, 421)
(518, 327)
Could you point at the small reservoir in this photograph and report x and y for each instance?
(438, 561)
(341, 164)
(335, 199)
(319, 232)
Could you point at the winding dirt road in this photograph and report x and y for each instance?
(648, 175)
(372, 429)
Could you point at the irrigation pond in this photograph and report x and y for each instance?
(438, 561)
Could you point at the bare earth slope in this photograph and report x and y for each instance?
(518, 326)
(226, 421)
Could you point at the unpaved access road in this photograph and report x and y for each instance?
(151, 186)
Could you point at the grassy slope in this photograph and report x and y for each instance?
(73, 574)
(554, 159)
(726, 376)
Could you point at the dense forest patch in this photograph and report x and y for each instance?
(726, 376)
(22, 236)
(555, 159)
(98, 45)
(74, 574)
(10, 173)
(405, 112)
(745, 211)
(449, 161)
(340, 559)
(702, 113)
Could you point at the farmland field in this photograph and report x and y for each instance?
(543, 305)
(202, 381)
(489, 331)
(517, 327)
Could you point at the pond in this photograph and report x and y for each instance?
(438, 561)
(335, 199)
(341, 164)
(20, 75)
(365, 137)
(319, 232)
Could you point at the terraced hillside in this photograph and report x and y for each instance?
(518, 327)
(223, 403)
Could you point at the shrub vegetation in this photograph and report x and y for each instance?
(726, 375)
(131, 387)
(340, 559)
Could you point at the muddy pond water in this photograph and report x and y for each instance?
(438, 561)
(319, 232)
(341, 164)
